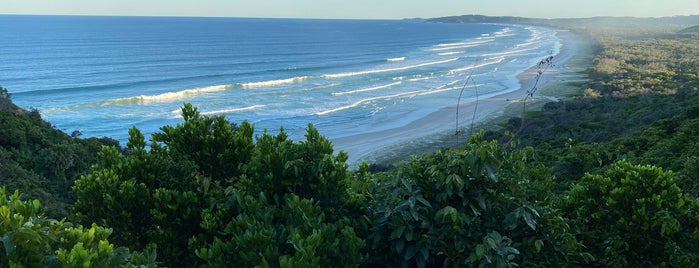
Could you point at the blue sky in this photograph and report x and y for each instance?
(366, 9)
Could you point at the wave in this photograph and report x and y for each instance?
(510, 52)
(169, 96)
(366, 89)
(450, 46)
(233, 110)
(503, 31)
(395, 59)
(444, 88)
(341, 75)
(418, 79)
(408, 94)
(500, 59)
(450, 53)
(359, 102)
(277, 82)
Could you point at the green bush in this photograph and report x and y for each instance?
(28, 239)
(635, 215)
(485, 205)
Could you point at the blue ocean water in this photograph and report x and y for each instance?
(102, 75)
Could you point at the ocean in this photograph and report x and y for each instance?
(103, 75)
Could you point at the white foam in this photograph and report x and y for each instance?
(396, 59)
(499, 59)
(168, 96)
(451, 46)
(418, 79)
(357, 103)
(366, 89)
(450, 53)
(443, 89)
(510, 52)
(503, 31)
(341, 75)
(233, 110)
(408, 94)
(277, 82)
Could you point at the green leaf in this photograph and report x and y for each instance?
(480, 250)
(400, 245)
(409, 235)
(538, 244)
(529, 220)
(410, 252)
(397, 233)
(491, 242)
(423, 201)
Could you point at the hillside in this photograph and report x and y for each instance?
(693, 29)
(39, 160)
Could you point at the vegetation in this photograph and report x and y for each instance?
(28, 239)
(605, 179)
(40, 161)
(204, 193)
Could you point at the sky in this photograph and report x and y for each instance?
(355, 9)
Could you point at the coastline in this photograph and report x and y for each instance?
(438, 130)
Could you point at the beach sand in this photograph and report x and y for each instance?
(439, 129)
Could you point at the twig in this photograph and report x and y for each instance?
(542, 67)
(458, 103)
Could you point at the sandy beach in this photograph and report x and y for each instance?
(439, 129)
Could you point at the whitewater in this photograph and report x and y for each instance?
(102, 75)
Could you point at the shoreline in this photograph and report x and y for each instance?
(389, 146)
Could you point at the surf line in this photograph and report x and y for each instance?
(409, 94)
(297, 79)
(366, 89)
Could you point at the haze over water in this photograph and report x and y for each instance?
(102, 75)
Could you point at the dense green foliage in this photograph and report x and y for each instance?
(28, 239)
(485, 205)
(39, 160)
(647, 219)
(204, 193)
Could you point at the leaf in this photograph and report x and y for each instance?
(397, 233)
(6, 241)
(481, 201)
(400, 245)
(410, 252)
(409, 235)
(491, 172)
(480, 250)
(538, 244)
(529, 220)
(491, 242)
(423, 201)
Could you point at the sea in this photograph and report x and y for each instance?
(102, 75)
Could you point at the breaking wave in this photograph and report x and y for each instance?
(340, 75)
(366, 89)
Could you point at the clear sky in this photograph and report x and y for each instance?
(364, 9)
